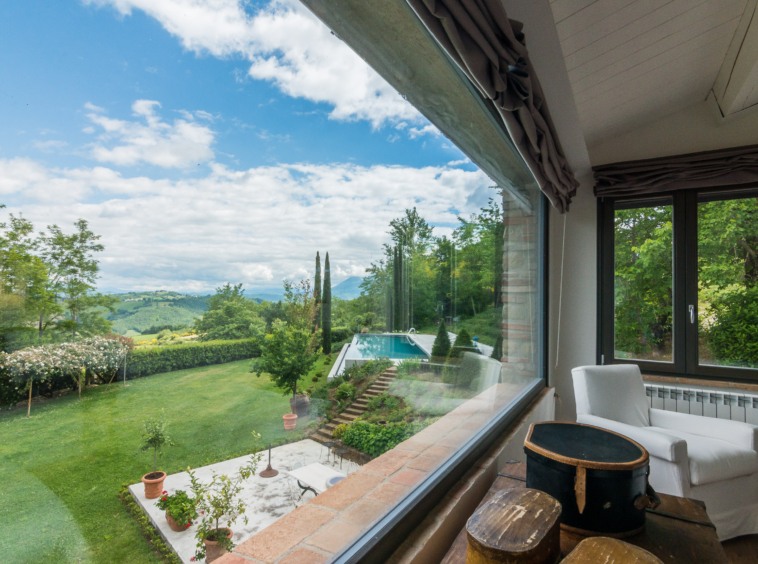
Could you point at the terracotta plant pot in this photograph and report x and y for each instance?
(212, 550)
(290, 421)
(174, 525)
(153, 484)
(300, 405)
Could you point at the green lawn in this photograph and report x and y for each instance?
(61, 470)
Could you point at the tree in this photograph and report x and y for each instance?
(287, 355)
(463, 343)
(230, 316)
(317, 290)
(326, 309)
(441, 346)
(72, 275)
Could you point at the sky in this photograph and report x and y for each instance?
(213, 141)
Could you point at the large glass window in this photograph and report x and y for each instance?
(679, 279)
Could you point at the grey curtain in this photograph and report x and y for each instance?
(722, 168)
(490, 49)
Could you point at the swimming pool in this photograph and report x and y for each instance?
(395, 347)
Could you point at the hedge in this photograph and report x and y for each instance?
(144, 361)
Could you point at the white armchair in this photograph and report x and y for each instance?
(713, 460)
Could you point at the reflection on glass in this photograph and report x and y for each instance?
(643, 289)
(727, 244)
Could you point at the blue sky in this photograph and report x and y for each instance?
(212, 141)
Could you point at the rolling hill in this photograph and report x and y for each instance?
(138, 311)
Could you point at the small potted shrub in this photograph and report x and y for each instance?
(219, 507)
(154, 437)
(180, 509)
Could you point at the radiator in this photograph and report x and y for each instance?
(708, 403)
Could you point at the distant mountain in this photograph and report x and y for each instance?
(348, 289)
(266, 297)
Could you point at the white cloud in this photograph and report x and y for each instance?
(254, 226)
(459, 162)
(430, 129)
(170, 145)
(286, 44)
(49, 145)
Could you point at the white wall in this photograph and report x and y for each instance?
(578, 304)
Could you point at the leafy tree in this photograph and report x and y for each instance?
(287, 355)
(230, 316)
(72, 274)
(441, 346)
(326, 311)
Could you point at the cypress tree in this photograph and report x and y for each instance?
(497, 350)
(395, 292)
(441, 346)
(317, 292)
(326, 309)
(388, 310)
(401, 290)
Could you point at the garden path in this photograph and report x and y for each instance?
(266, 499)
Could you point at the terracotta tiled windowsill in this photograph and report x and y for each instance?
(314, 532)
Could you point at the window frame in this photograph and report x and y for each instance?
(685, 282)
(378, 542)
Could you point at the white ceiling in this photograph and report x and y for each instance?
(631, 62)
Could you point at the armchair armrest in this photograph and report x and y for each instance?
(740, 434)
(665, 447)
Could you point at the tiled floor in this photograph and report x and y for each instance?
(267, 499)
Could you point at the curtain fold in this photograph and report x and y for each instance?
(490, 49)
(722, 168)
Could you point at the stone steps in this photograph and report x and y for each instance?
(357, 408)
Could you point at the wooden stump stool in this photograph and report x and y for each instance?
(516, 526)
(609, 551)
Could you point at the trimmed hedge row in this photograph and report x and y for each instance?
(144, 361)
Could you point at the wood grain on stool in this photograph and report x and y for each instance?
(516, 525)
(609, 551)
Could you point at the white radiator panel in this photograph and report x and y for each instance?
(707, 403)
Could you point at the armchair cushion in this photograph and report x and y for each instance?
(713, 460)
(743, 435)
(613, 392)
(658, 444)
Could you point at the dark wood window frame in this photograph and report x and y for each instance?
(685, 284)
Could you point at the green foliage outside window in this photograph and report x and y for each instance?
(441, 346)
(375, 440)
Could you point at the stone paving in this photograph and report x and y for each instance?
(266, 499)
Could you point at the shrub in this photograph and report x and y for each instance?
(441, 346)
(180, 506)
(314, 379)
(405, 367)
(375, 440)
(143, 361)
(463, 343)
(341, 334)
(345, 391)
(339, 431)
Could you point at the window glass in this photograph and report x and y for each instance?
(643, 288)
(727, 299)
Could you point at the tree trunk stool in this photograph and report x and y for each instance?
(516, 526)
(609, 551)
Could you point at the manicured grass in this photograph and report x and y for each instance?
(142, 338)
(61, 469)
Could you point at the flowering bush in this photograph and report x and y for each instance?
(97, 355)
(181, 507)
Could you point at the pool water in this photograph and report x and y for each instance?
(396, 347)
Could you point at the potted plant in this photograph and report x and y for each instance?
(154, 437)
(219, 506)
(180, 509)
